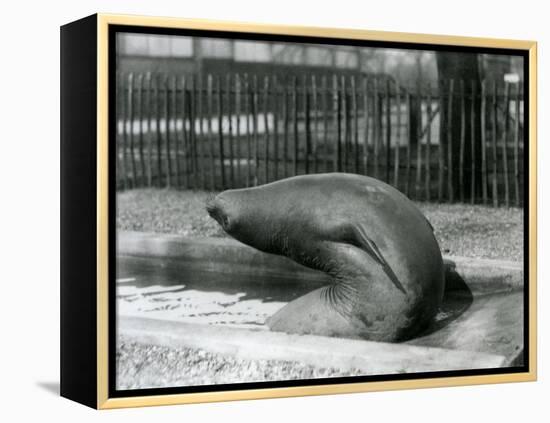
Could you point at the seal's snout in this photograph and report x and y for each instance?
(216, 208)
(210, 204)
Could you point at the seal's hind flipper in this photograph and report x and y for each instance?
(357, 236)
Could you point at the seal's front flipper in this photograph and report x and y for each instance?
(357, 236)
(312, 314)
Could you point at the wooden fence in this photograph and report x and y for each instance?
(458, 141)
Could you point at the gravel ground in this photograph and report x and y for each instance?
(462, 230)
(148, 366)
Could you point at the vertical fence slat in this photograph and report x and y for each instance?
(266, 128)
(184, 139)
(397, 137)
(285, 129)
(295, 124)
(444, 118)
(409, 137)
(505, 145)
(315, 139)
(516, 147)
(462, 141)
(238, 128)
(174, 118)
(483, 142)
(200, 138)
(367, 127)
(221, 152)
(450, 185)
(387, 94)
(209, 134)
(150, 108)
(139, 114)
(158, 111)
(428, 143)
(307, 125)
(131, 125)
(255, 128)
(325, 97)
(230, 137)
(193, 132)
(124, 132)
(345, 126)
(473, 141)
(354, 117)
(249, 116)
(337, 165)
(419, 147)
(275, 108)
(494, 143)
(167, 132)
(376, 125)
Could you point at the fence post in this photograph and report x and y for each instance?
(516, 146)
(285, 128)
(174, 119)
(337, 166)
(409, 141)
(376, 124)
(275, 105)
(123, 132)
(388, 129)
(230, 131)
(355, 125)
(316, 124)
(494, 143)
(248, 109)
(473, 139)
(462, 139)
(418, 144)
(266, 129)
(504, 144)
(450, 165)
(200, 134)
(325, 92)
(367, 126)
(221, 151)
(307, 125)
(193, 131)
(139, 108)
(483, 142)
(184, 132)
(295, 123)
(428, 142)
(209, 130)
(397, 137)
(255, 127)
(238, 129)
(131, 124)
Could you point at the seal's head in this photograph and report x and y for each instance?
(232, 209)
(222, 211)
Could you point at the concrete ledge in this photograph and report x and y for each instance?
(214, 254)
(345, 354)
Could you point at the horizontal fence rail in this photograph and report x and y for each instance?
(454, 141)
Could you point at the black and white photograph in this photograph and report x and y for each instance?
(313, 211)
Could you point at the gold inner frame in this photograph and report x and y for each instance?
(103, 22)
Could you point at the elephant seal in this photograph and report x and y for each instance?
(378, 248)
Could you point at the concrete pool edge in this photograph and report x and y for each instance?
(322, 352)
(214, 254)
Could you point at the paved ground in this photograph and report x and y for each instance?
(141, 365)
(462, 230)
